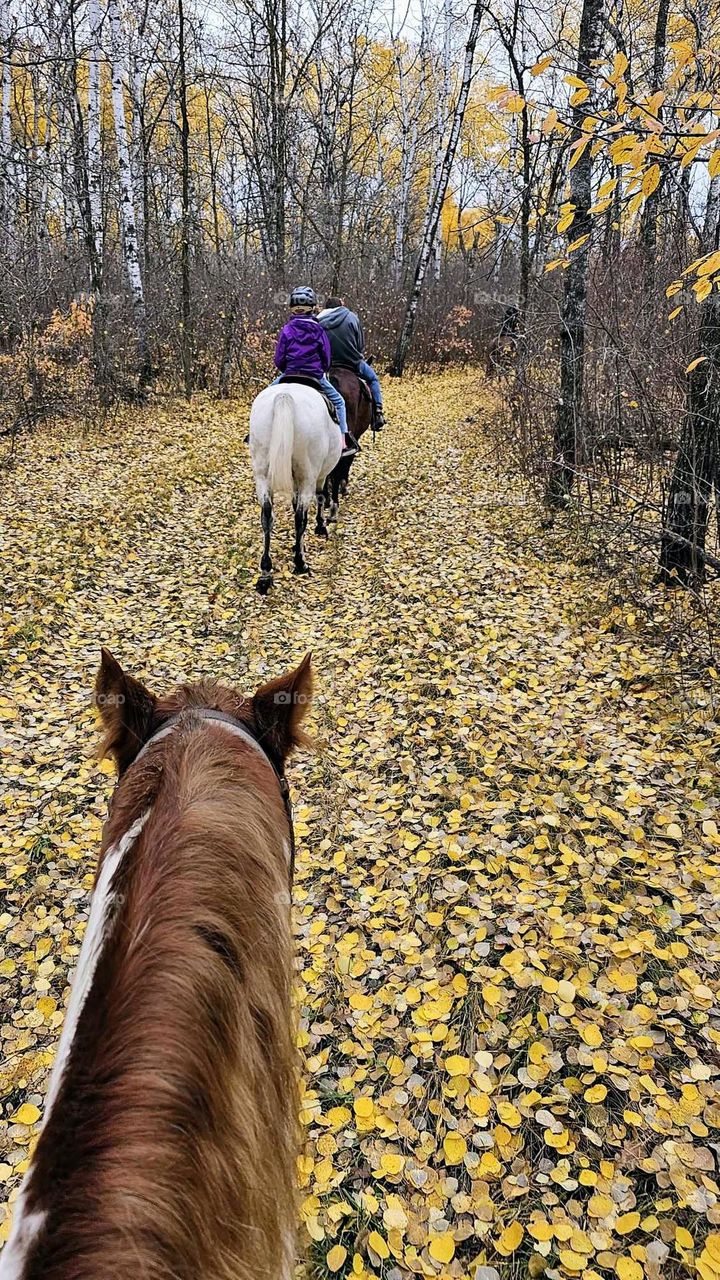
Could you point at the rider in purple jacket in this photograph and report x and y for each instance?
(303, 348)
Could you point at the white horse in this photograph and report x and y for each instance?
(294, 445)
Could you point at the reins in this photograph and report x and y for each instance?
(240, 730)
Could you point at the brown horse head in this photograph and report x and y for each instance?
(131, 714)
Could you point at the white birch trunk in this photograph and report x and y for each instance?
(127, 207)
(438, 196)
(136, 97)
(407, 167)
(6, 133)
(94, 149)
(442, 115)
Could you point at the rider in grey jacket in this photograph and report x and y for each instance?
(347, 343)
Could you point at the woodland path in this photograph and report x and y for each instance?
(507, 885)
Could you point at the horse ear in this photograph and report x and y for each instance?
(126, 709)
(280, 707)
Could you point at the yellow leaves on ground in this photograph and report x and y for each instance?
(626, 1223)
(508, 863)
(378, 1245)
(442, 1248)
(591, 1034)
(335, 1257)
(629, 1269)
(455, 1148)
(27, 1114)
(511, 1239)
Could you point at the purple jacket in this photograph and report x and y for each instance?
(303, 347)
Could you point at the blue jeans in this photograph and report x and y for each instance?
(333, 395)
(367, 372)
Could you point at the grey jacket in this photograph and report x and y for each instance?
(347, 341)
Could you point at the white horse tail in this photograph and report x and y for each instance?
(282, 437)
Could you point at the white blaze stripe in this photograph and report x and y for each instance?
(26, 1226)
(92, 944)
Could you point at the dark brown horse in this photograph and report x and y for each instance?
(358, 403)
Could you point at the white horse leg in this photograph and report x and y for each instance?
(265, 580)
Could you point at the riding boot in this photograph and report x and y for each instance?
(378, 418)
(350, 446)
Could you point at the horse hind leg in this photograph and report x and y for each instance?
(333, 492)
(265, 581)
(320, 526)
(301, 515)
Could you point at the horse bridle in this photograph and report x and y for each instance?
(240, 730)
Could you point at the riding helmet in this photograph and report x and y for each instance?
(303, 296)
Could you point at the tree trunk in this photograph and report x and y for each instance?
(649, 221)
(188, 345)
(408, 153)
(572, 334)
(127, 208)
(6, 134)
(94, 150)
(432, 219)
(682, 551)
(79, 155)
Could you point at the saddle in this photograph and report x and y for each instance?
(306, 381)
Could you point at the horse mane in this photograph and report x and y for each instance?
(170, 1149)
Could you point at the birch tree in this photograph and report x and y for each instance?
(6, 193)
(127, 208)
(434, 211)
(94, 145)
(187, 340)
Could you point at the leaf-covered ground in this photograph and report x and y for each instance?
(507, 888)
